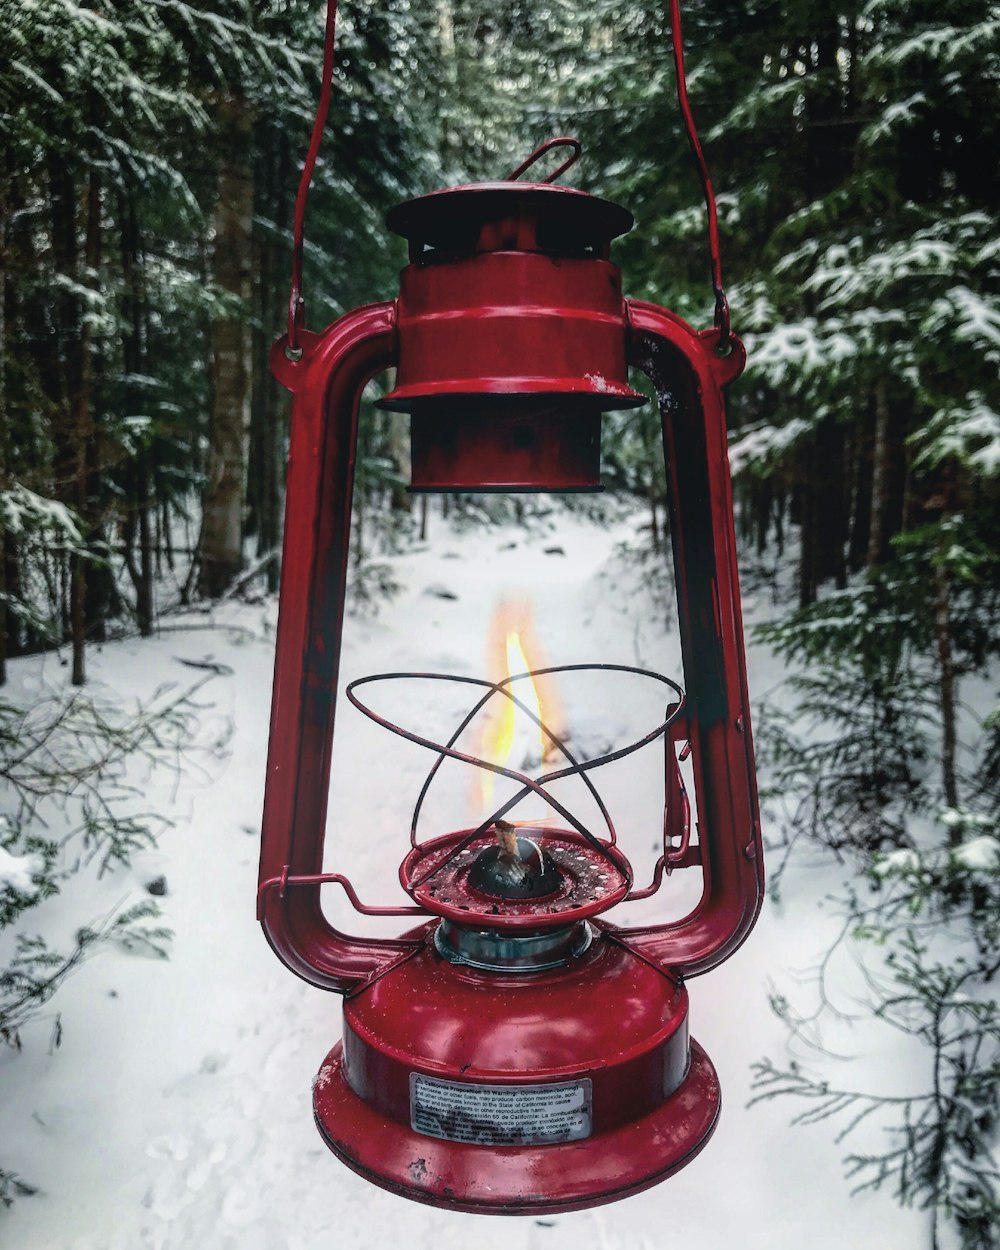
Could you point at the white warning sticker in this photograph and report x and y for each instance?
(500, 1115)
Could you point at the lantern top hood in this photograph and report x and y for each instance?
(492, 216)
(511, 329)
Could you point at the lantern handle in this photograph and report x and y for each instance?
(563, 141)
(722, 323)
(296, 303)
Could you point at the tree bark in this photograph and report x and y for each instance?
(82, 426)
(137, 527)
(267, 409)
(889, 473)
(830, 517)
(861, 508)
(68, 386)
(221, 542)
(946, 690)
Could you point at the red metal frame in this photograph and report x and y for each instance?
(509, 338)
(327, 382)
(689, 376)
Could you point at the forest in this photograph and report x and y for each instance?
(151, 152)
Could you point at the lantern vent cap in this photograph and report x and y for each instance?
(470, 217)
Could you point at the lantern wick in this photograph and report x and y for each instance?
(507, 839)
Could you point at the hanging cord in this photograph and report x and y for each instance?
(721, 303)
(296, 304)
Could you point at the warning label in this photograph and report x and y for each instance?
(500, 1115)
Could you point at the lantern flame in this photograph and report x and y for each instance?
(512, 737)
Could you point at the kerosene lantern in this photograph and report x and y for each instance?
(516, 1051)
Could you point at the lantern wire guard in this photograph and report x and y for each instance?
(597, 874)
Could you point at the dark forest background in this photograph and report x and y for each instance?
(149, 156)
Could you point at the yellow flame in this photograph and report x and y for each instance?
(512, 738)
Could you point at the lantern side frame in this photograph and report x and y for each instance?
(326, 380)
(689, 376)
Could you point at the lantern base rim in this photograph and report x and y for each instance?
(521, 1180)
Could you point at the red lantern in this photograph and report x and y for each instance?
(514, 1052)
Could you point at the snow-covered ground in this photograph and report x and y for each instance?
(176, 1113)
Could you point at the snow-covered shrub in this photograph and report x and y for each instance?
(940, 1154)
(847, 765)
(45, 532)
(71, 802)
(851, 767)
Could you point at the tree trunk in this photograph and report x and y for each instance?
(68, 386)
(861, 509)
(889, 472)
(946, 690)
(806, 500)
(830, 516)
(266, 455)
(398, 439)
(4, 416)
(137, 525)
(880, 470)
(951, 505)
(221, 542)
(81, 423)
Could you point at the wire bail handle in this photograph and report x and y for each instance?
(722, 322)
(296, 302)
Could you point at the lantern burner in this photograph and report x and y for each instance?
(446, 876)
(515, 867)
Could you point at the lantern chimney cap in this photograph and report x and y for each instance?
(454, 217)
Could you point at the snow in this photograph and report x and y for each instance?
(947, 43)
(846, 274)
(901, 861)
(970, 315)
(17, 872)
(899, 113)
(752, 448)
(980, 854)
(799, 348)
(21, 509)
(972, 433)
(177, 1111)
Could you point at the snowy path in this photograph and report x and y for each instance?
(176, 1113)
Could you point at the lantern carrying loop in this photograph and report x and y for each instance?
(722, 323)
(563, 141)
(296, 304)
